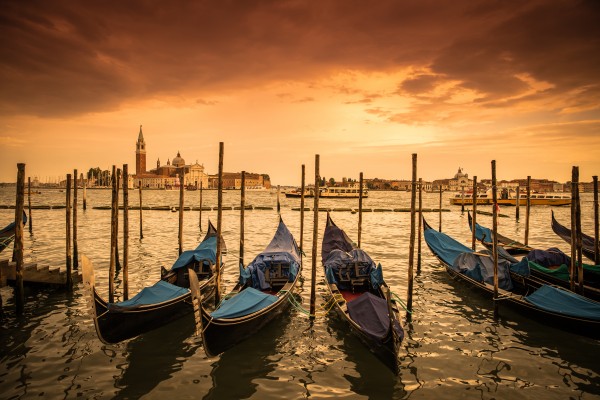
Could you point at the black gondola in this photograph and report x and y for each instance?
(167, 300)
(549, 266)
(361, 296)
(548, 304)
(565, 233)
(261, 294)
(7, 234)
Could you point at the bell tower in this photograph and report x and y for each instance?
(140, 154)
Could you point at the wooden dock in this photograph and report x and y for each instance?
(34, 273)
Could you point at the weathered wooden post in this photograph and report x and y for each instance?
(68, 234)
(242, 209)
(473, 236)
(117, 261)
(573, 266)
(18, 247)
(411, 249)
(578, 237)
(75, 252)
(302, 214)
(495, 237)
(85, 183)
(419, 225)
(278, 202)
(360, 203)
(596, 235)
(315, 239)
(200, 217)
(219, 226)
(518, 203)
(527, 210)
(114, 207)
(440, 228)
(125, 232)
(29, 202)
(462, 200)
(180, 235)
(141, 223)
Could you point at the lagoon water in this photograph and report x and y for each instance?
(453, 348)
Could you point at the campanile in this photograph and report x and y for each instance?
(140, 154)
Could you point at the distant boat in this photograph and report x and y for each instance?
(467, 199)
(588, 248)
(7, 234)
(170, 298)
(548, 304)
(360, 295)
(342, 192)
(508, 198)
(262, 293)
(297, 193)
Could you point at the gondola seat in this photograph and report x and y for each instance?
(277, 274)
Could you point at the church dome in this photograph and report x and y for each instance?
(460, 174)
(178, 161)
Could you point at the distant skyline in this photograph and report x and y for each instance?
(364, 86)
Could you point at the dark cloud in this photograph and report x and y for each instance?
(64, 58)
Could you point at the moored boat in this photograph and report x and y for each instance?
(508, 198)
(360, 295)
(167, 300)
(342, 192)
(7, 234)
(546, 303)
(588, 242)
(262, 293)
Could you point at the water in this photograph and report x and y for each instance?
(453, 348)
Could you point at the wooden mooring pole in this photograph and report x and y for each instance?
(596, 235)
(180, 232)
(313, 273)
(68, 234)
(495, 236)
(117, 261)
(242, 209)
(278, 202)
(75, 252)
(441, 190)
(579, 237)
(141, 222)
(125, 232)
(527, 210)
(420, 228)
(573, 266)
(360, 212)
(114, 207)
(462, 201)
(200, 216)
(518, 203)
(219, 226)
(84, 181)
(302, 212)
(18, 247)
(29, 203)
(411, 249)
(474, 219)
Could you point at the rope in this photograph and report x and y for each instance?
(401, 302)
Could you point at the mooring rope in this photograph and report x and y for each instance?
(401, 302)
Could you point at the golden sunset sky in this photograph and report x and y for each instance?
(362, 83)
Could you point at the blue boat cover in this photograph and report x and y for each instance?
(160, 292)
(444, 247)
(561, 301)
(370, 313)
(246, 302)
(338, 259)
(483, 234)
(481, 269)
(282, 250)
(206, 250)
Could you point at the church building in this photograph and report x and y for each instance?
(166, 176)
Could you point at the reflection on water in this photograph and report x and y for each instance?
(453, 347)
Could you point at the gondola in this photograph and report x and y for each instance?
(549, 266)
(261, 294)
(565, 234)
(7, 234)
(360, 295)
(192, 274)
(546, 303)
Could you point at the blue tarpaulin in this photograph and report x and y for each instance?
(481, 269)
(371, 313)
(207, 250)
(444, 247)
(246, 302)
(160, 292)
(561, 301)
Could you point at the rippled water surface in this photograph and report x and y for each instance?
(453, 349)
